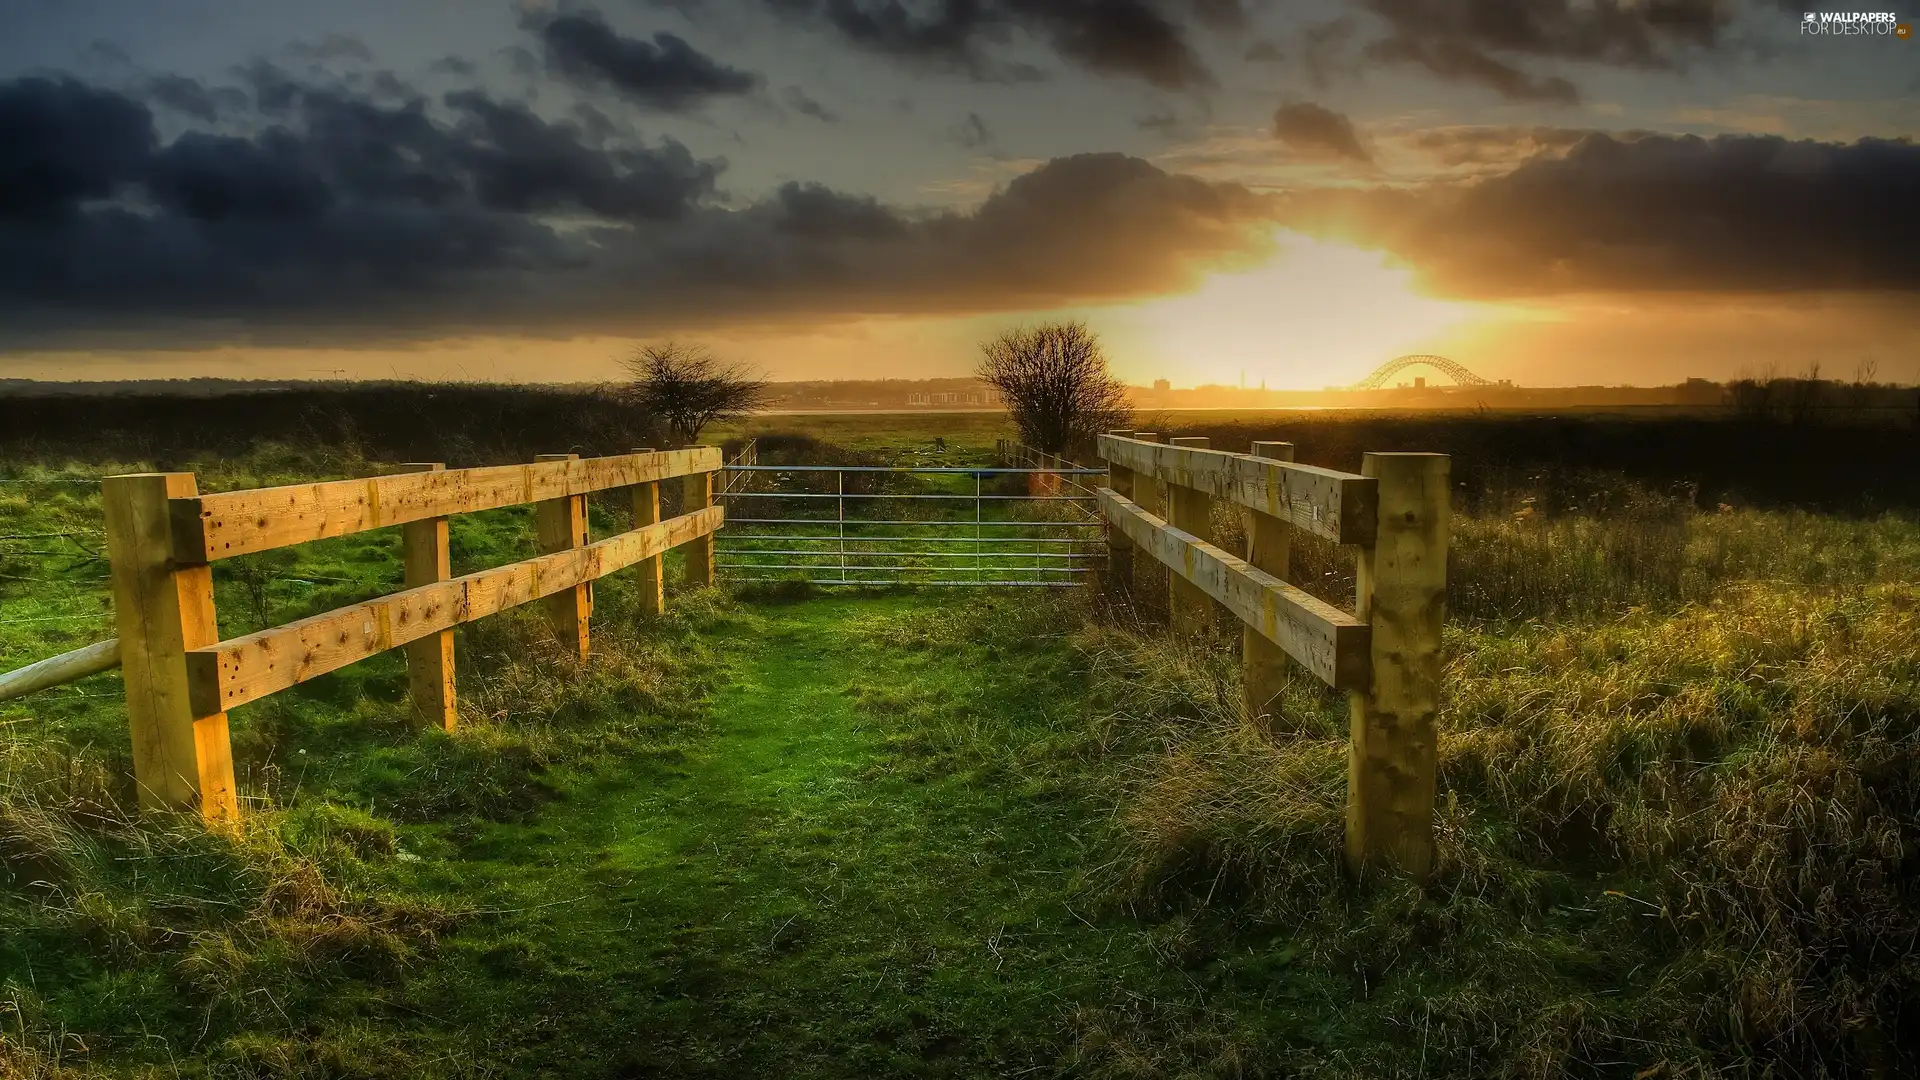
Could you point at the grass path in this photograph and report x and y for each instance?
(814, 889)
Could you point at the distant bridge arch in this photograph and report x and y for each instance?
(1452, 369)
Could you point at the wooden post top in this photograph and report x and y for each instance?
(1197, 442)
(1278, 451)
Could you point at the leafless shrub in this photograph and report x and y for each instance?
(1056, 384)
(687, 387)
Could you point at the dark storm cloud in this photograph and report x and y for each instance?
(958, 35)
(331, 47)
(192, 100)
(1505, 145)
(1650, 34)
(1672, 213)
(1477, 41)
(328, 214)
(1166, 124)
(971, 133)
(665, 73)
(343, 209)
(1220, 14)
(455, 65)
(1122, 37)
(819, 212)
(1131, 38)
(65, 142)
(799, 101)
(519, 162)
(1463, 62)
(1324, 48)
(342, 217)
(1316, 130)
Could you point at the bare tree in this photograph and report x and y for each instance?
(688, 388)
(1803, 395)
(1056, 384)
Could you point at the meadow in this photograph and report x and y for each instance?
(900, 833)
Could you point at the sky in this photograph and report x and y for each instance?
(1554, 192)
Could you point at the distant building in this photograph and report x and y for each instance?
(1161, 386)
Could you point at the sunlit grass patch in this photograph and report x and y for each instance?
(1670, 832)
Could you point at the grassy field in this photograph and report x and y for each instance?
(929, 834)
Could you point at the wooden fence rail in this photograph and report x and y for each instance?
(163, 536)
(1386, 654)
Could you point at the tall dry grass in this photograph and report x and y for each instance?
(1522, 560)
(1680, 803)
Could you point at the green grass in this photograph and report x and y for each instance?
(837, 864)
(947, 834)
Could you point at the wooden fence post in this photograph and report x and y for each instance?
(646, 511)
(163, 607)
(1119, 548)
(1149, 577)
(698, 495)
(1263, 664)
(425, 555)
(1401, 593)
(1189, 510)
(562, 524)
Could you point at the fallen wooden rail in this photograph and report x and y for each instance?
(1386, 654)
(180, 678)
(57, 670)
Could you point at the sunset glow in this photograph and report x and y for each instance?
(527, 191)
(1321, 313)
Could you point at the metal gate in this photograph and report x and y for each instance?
(887, 525)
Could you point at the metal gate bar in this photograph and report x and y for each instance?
(946, 549)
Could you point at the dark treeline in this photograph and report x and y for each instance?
(1568, 462)
(1562, 461)
(459, 424)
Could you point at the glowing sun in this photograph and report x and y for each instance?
(1320, 313)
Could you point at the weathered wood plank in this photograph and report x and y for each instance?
(1191, 511)
(646, 511)
(1336, 505)
(1149, 494)
(1392, 762)
(560, 524)
(220, 526)
(1263, 666)
(1325, 640)
(1119, 548)
(426, 557)
(248, 668)
(181, 756)
(697, 492)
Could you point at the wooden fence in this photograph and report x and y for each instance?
(181, 679)
(1385, 654)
